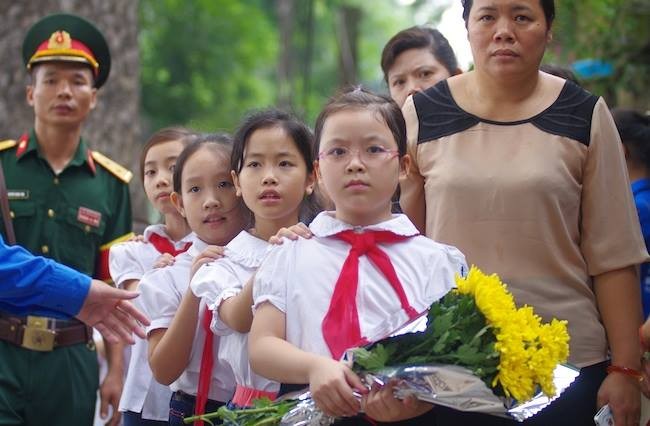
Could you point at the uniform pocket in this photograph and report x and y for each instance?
(80, 241)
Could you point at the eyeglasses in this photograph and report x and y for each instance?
(370, 155)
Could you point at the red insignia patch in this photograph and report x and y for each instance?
(89, 217)
(22, 145)
(91, 162)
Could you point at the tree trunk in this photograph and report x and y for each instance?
(347, 34)
(285, 11)
(113, 128)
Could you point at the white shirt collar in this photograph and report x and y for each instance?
(325, 225)
(159, 228)
(247, 250)
(198, 245)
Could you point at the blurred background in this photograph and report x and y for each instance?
(205, 63)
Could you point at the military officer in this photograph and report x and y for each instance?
(70, 203)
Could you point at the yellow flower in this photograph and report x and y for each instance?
(529, 349)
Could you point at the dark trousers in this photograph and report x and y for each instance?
(182, 405)
(129, 418)
(576, 406)
(56, 388)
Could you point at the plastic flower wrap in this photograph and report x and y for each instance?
(473, 351)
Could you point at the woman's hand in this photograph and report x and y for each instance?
(623, 395)
(332, 384)
(381, 405)
(209, 254)
(299, 230)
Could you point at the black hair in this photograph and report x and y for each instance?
(419, 37)
(220, 142)
(360, 98)
(634, 129)
(168, 134)
(560, 71)
(301, 135)
(547, 5)
(298, 132)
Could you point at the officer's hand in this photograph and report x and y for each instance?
(110, 392)
(110, 312)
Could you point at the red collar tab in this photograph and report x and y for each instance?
(22, 144)
(90, 161)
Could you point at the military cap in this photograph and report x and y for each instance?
(68, 38)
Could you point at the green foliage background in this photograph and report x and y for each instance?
(617, 31)
(205, 63)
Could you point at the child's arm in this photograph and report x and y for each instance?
(330, 382)
(130, 285)
(236, 312)
(170, 349)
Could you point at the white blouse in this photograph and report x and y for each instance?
(222, 279)
(131, 260)
(298, 278)
(161, 293)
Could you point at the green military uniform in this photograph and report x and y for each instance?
(73, 217)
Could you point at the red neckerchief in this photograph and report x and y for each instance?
(340, 325)
(163, 245)
(205, 371)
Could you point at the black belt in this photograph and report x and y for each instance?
(42, 333)
(181, 396)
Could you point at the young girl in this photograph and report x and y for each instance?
(144, 401)
(181, 354)
(365, 273)
(272, 168)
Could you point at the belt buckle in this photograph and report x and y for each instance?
(37, 336)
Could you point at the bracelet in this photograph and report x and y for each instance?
(631, 372)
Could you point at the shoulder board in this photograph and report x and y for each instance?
(120, 172)
(10, 143)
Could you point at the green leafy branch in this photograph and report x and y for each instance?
(263, 413)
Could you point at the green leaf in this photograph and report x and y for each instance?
(373, 359)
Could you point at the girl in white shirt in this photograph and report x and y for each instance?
(272, 168)
(365, 272)
(181, 353)
(144, 401)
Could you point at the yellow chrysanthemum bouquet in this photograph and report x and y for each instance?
(476, 327)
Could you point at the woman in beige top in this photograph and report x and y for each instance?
(524, 173)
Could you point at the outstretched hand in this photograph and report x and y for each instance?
(110, 312)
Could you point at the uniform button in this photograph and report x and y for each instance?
(56, 180)
(45, 249)
(87, 228)
(50, 213)
(12, 214)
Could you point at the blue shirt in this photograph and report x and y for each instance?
(33, 285)
(641, 191)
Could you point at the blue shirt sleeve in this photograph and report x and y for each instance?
(33, 285)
